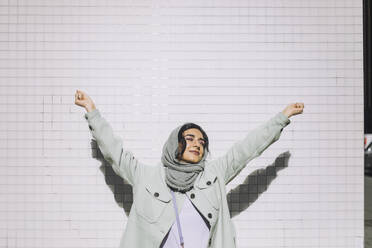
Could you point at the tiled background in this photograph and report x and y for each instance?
(151, 65)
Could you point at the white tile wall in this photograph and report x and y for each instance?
(151, 65)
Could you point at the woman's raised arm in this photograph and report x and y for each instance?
(122, 161)
(254, 143)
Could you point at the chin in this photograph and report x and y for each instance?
(191, 158)
(194, 161)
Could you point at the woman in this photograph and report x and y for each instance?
(181, 202)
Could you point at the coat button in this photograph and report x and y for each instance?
(209, 183)
(192, 195)
(156, 194)
(90, 127)
(210, 216)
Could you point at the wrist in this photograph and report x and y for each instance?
(90, 108)
(286, 114)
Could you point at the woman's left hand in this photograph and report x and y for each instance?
(294, 109)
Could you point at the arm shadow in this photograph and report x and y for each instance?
(122, 190)
(242, 196)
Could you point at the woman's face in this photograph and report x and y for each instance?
(194, 146)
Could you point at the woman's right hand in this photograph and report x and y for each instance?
(82, 99)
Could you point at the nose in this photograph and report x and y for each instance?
(196, 144)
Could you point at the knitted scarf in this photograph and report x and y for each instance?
(180, 175)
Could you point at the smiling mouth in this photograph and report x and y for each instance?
(195, 152)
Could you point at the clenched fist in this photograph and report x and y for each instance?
(294, 109)
(82, 99)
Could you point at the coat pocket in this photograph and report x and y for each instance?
(208, 186)
(150, 204)
(212, 196)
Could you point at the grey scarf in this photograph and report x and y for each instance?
(179, 175)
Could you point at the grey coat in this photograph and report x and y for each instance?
(152, 213)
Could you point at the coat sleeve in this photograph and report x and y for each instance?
(251, 146)
(122, 161)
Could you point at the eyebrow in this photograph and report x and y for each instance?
(194, 136)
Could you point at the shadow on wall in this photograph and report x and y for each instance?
(256, 183)
(121, 189)
(238, 199)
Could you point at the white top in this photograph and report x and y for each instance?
(194, 230)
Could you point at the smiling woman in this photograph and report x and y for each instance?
(182, 201)
(192, 142)
(184, 156)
